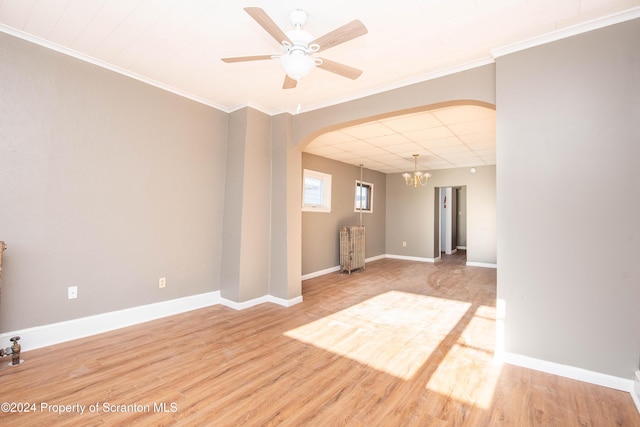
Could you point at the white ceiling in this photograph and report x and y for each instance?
(177, 45)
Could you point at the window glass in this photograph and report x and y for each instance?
(316, 191)
(364, 197)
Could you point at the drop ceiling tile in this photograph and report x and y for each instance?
(401, 160)
(384, 158)
(412, 122)
(444, 151)
(489, 159)
(439, 164)
(486, 152)
(467, 163)
(481, 139)
(441, 142)
(411, 147)
(457, 157)
(370, 130)
(372, 164)
(373, 152)
(423, 135)
(355, 145)
(390, 140)
(347, 157)
(477, 126)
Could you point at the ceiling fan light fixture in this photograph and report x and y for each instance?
(297, 64)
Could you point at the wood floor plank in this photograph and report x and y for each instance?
(399, 344)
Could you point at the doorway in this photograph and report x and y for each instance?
(452, 229)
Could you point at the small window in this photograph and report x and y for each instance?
(364, 197)
(316, 191)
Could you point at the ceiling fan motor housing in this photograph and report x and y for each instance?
(298, 17)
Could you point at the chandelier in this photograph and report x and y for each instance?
(418, 177)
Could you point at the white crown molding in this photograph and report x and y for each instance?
(102, 64)
(615, 18)
(255, 106)
(400, 84)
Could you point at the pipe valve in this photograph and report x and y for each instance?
(14, 351)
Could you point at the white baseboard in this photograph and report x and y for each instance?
(261, 300)
(320, 273)
(337, 268)
(635, 394)
(391, 256)
(55, 333)
(481, 264)
(375, 258)
(572, 372)
(412, 258)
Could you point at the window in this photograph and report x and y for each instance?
(364, 197)
(316, 191)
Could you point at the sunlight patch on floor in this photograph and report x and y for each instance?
(395, 332)
(469, 372)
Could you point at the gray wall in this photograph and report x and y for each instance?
(568, 140)
(286, 199)
(107, 184)
(462, 217)
(247, 217)
(320, 231)
(411, 218)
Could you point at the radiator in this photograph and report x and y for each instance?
(351, 247)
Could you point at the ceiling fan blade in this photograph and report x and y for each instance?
(341, 69)
(289, 83)
(261, 17)
(247, 58)
(340, 35)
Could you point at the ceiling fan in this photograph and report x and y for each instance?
(299, 46)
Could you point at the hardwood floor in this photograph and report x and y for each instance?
(399, 344)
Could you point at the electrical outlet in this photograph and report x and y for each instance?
(72, 292)
(162, 282)
(404, 244)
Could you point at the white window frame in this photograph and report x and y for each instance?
(355, 198)
(325, 204)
